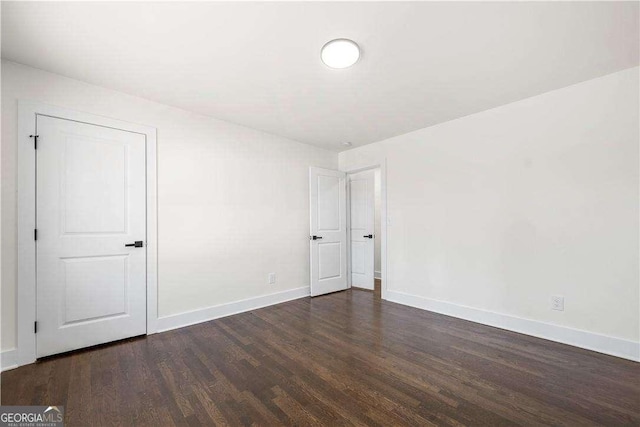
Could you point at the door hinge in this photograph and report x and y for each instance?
(35, 234)
(35, 327)
(35, 141)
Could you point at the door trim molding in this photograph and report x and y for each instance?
(382, 165)
(26, 289)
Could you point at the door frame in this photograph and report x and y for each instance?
(383, 223)
(26, 289)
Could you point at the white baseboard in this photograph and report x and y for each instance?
(180, 320)
(8, 359)
(578, 338)
(377, 274)
(575, 337)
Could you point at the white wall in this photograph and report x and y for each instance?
(233, 202)
(500, 210)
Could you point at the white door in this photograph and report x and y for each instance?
(362, 226)
(91, 286)
(328, 237)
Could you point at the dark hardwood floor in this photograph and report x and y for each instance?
(341, 359)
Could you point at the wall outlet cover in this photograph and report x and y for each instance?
(272, 278)
(557, 303)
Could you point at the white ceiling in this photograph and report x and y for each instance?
(258, 64)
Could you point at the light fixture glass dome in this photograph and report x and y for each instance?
(340, 53)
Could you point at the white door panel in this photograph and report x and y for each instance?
(95, 287)
(362, 225)
(91, 164)
(91, 200)
(327, 194)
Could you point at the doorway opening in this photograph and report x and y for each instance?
(364, 229)
(348, 229)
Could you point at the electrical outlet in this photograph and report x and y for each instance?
(272, 278)
(557, 303)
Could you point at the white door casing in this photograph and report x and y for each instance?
(91, 201)
(328, 222)
(362, 228)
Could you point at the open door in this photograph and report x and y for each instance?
(328, 234)
(362, 226)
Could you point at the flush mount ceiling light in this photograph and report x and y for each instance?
(340, 53)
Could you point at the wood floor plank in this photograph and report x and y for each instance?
(342, 359)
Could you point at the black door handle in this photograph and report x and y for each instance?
(136, 244)
(369, 236)
(316, 237)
